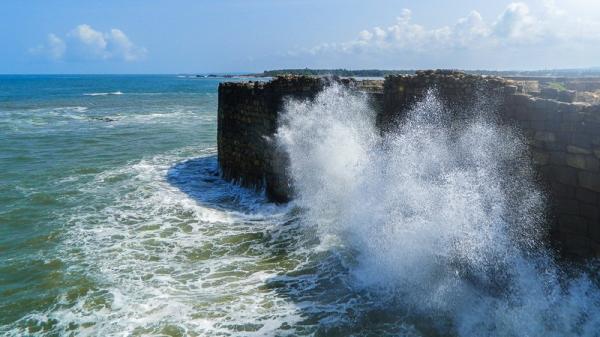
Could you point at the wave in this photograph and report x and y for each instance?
(175, 116)
(444, 220)
(70, 109)
(186, 262)
(103, 93)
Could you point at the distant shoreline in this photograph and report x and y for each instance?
(356, 73)
(589, 72)
(380, 73)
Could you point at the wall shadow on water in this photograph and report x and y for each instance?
(316, 281)
(199, 179)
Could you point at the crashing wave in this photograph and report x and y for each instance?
(444, 218)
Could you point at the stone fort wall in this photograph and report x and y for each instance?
(247, 120)
(563, 138)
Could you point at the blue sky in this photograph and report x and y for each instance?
(185, 36)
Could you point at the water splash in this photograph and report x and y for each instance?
(103, 93)
(443, 217)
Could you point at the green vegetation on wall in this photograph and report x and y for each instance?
(557, 85)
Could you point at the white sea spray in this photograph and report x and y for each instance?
(444, 217)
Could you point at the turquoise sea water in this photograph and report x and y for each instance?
(58, 136)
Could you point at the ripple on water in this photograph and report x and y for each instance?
(172, 249)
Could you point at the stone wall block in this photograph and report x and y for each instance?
(577, 150)
(594, 232)
(589, 212)
(540, 125)
(574, 116)
(576, 160)
(586, 195)
(590, 128)
(592, 117)
(595, 250)
(580, 140)
(576, 244)
(568, 127)
(589, 180)
(566, 205)
(592, 163)
(540, 158)
(563, 192)
(554, 146)
(545, 109)
(545, 136)
(519, 100)
(573, 224)
(565, 175)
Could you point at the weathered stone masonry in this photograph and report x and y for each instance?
(247, 120)
(564, 138)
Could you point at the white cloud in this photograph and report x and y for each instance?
(552, 9)
(54, 48)
(472, 27)
(515, 26)
(122, 46)
(86, 43)
(365, 35)
(516, 23)
(57, 46)
(379, 33)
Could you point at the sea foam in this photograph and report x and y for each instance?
(443, 217)
(103, 93)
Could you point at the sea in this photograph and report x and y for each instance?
(114, 221)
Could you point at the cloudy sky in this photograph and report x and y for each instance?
(161, 36)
